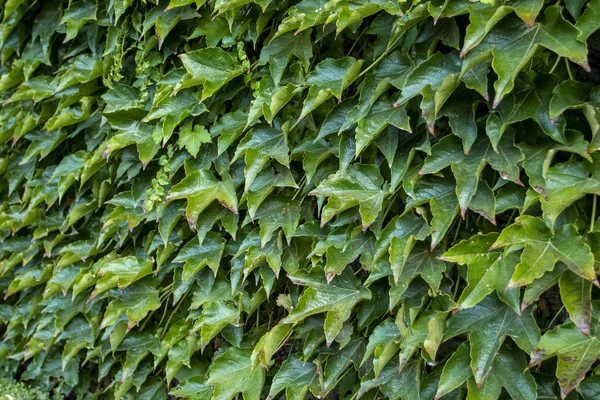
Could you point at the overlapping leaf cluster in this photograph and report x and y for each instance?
(329, 198)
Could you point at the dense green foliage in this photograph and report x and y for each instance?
(329, 198)
(10, 390)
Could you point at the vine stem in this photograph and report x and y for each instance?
(569, 69)
(169, 320)
(555, 65)
(593, 214)
(388, 48)
(555, 316)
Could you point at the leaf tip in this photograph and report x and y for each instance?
(329, 276)
(586, 66)
(497, 101)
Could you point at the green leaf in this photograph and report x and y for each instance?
(268, 345)
(382, 115)
(336, 299)
(212, 68)
(295, 377)
(455, 371)
(192, 138)
(488, 270)
(260, 145)
(278, 212)
(215, 317)
(231, 373)
(76, 16)
(425, 75)
(528, 10)
(576, 294)
(565, 184)
(196, 256)
(201, 188)
(136, 301)
(121, 273)
(576, 354)
(420, 260)
(278, 52)
(539, 158)
(359, 185)
(440, 195)
(588, 23)
(482, 18)
(569, 94)
(489, 323)
(555, 34)
(329, 78)
(542, 250)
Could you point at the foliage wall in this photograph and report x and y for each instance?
(317, 198)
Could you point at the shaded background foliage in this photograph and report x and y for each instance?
(265, 198)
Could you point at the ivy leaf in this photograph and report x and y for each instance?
(533, 102)
(121, 273)
(455, 371)
(440, 195)
(588, 22)
(482, 18)
(278, 52)
(329, 78)
(394, 385)
(231, 373)
(467, 170)
(382, 115)
(278, 212)
(555, 34)
(406, 228)
(528, 10)
(197, 256)
(539, 158)
(165, 20)
(489, 322)
(215, 317)
(425, 75)
(136, 301)
(336, 299)
(542, 250)
(507, 371)
(576, 354)
(228, 129)
(295, 377)
(576, 294)
(76, 16)
(359, 185)
(589, 387)
(384, 342)
(268, 345)
(192, 138)
(567, 95)
(211, 67)
(565, 184)
(535, 289)
(201, 188)
(420, 260)
(488, 270)
(260, 145)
